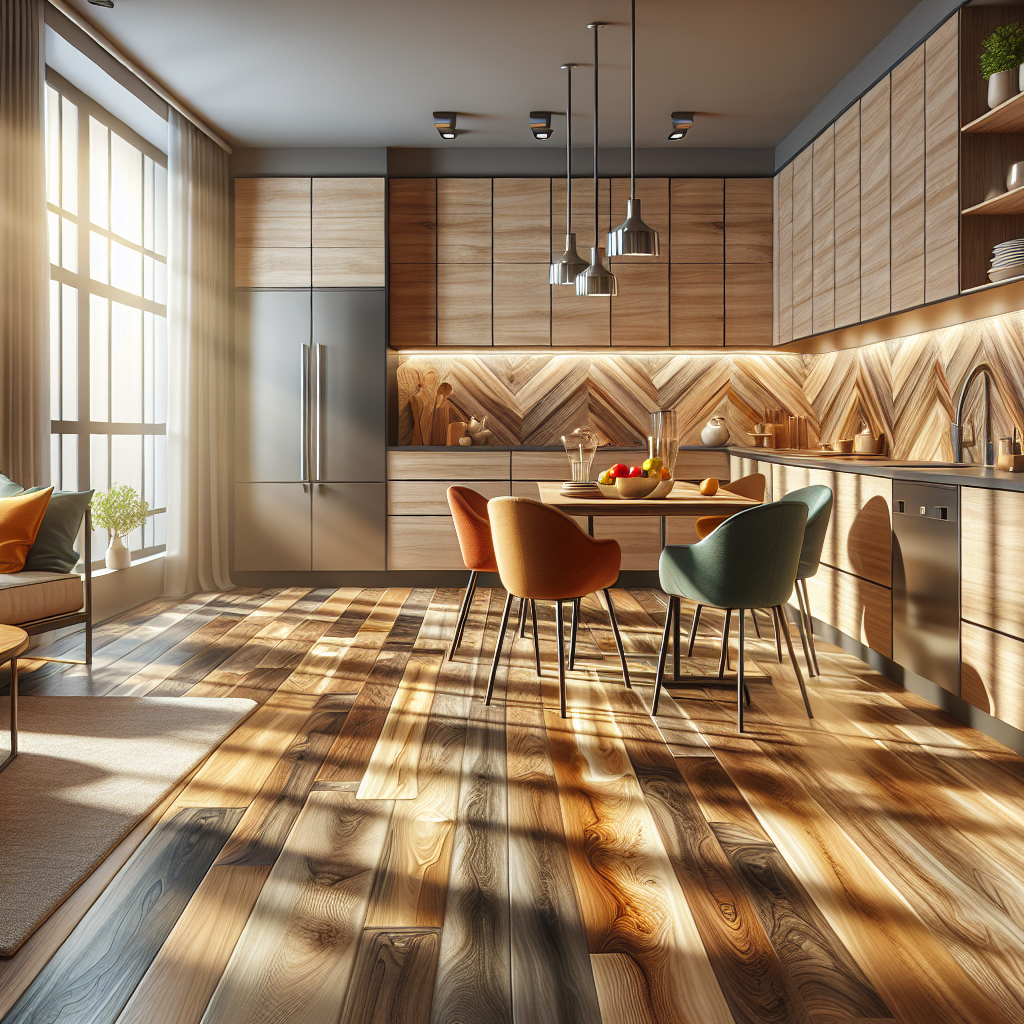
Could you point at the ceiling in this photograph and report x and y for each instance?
(311, 73)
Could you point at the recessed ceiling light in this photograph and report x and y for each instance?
(444, 122)
(540, 124)
(681, 123)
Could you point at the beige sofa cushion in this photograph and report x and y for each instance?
(26, 596)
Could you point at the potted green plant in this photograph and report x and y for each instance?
(1002, 63)
(119, 511)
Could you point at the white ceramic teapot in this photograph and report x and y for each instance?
(716, 433)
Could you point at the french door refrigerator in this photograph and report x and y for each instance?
(310, 430)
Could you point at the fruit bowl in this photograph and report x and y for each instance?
(608, 490)
(662, 490)
(632, 487)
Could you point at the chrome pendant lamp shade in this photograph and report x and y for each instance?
(633, 237)
(570, 264)
(597, 279)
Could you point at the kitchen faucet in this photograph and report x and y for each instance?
(956, 428)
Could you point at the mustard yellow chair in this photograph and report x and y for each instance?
(543, 555)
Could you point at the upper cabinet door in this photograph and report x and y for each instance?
(907, 200)
(653, 195)
(784, 257)
(823, 233)
(273, 213)
(802, 243)
(874, 202)
(941, 161)
(698, 220)
(847, 217)
(348, 233)
(412, 220)
(748, 220)
(464, 220)
(522, 220)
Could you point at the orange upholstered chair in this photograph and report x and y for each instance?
(543, 555)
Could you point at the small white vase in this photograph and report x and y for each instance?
(1002, 86)
(118, 556)
(716, 433)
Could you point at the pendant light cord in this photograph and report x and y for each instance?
(568, 151)
(597, 219)
(632, 101)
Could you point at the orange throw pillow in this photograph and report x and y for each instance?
(20, 519)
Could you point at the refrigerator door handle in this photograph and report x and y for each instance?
(321, 383)
(304, 417)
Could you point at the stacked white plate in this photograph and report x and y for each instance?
(1007, 260)
(581, 489)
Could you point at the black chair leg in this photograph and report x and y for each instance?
(803, 633)
(801, 586)
(536, 635)
(778, 635)
(723, 661)
(784, 626)
(659, 677)
(559, 629)
(693, 631)
(618, 639)
(497, 649)
(467, 600)
(753, 619)
(573, 630)
(522, 617)
(740, 687)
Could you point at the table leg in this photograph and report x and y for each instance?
(664, 532)
(14, 716)
(590, 525)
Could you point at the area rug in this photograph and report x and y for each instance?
(88, 770)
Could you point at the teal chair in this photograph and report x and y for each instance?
(818, 499)
(750, 561)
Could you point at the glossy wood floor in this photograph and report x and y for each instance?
(375, 845)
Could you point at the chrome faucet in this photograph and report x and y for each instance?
(956, 428)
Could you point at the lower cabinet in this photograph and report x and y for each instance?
(294, 527)
(992, 673)
(423, 542)
(857, 607)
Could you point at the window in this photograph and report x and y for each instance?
(107, 213)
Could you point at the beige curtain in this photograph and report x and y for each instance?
(199, 362)
(24, 262)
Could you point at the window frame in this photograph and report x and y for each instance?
(85, 428)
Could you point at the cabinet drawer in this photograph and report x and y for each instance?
(453, 466)
(423, 542)
(992, 673)
(698, 465)
(638, 536)
(430, 497)
(860, 609)
(992, 559)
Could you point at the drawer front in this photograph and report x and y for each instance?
(991, 559)
(859, 608)
(540, 465)
(430, 497)
(992, 673)
(457, 465)
(700, 465)
(423, 542)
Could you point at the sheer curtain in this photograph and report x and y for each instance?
(199, 362)
(24, 262)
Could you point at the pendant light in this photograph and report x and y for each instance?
(570, 265)
(597, 279)
(633, 237)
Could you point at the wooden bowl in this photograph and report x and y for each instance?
(633, 487)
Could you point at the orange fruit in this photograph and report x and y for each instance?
(709, 486)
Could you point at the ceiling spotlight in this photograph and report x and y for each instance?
(444, 122)
(681, 123)
(102, 3)
(540, 124)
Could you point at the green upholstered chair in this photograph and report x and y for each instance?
(750, 561)
(818, 499)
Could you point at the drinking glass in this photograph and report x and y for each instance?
(663, 440)
(580, 447)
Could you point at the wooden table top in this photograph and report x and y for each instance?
(13, 642)
(685, 500)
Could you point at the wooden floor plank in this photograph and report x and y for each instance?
(394, 979)
(473, 972)
(95, 971)
(294, 958)
(182, 977)
(622, 990)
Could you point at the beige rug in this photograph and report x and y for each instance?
(88, 770)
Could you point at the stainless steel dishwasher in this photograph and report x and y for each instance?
(926, 581)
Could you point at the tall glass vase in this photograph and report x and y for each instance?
(663, 440)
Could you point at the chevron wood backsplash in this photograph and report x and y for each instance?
(905, 388)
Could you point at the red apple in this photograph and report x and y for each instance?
(618, 470)
(636, 471)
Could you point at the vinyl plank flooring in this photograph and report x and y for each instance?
(394, 979)
(94, 972)
(622, 990)
(182, 977)
(294, 958)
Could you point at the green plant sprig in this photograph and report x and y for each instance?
(1003, 50)
(119, 510)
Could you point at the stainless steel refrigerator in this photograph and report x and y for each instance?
(310, 430)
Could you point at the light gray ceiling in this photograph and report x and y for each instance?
(312, 73)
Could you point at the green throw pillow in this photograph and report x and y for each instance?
(54, 549)
(8, 488)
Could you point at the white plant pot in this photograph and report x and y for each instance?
(1003, 85)
(118, 556)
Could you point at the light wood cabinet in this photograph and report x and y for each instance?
(272, 268)
(907, 199)
(823, 237)
(348, 268)
(992, 673)
(748, 300)
(784, 255)
(846, 259)
(855, 606)
(348, 213)
(413, 305)
(522, 220)
(412, 220)
(639, 538)
(697, 304)
(697, 220)
(464, 304)
(748, 220)
(273, 213)
(639, 312)
(463, 221)
(992, 559)
(423, 542)
(430, 497)
(454, 466)
(653, 194)
(522, 304)
(582, 214)
(874, 201)
(802, 243)
(578, 321)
